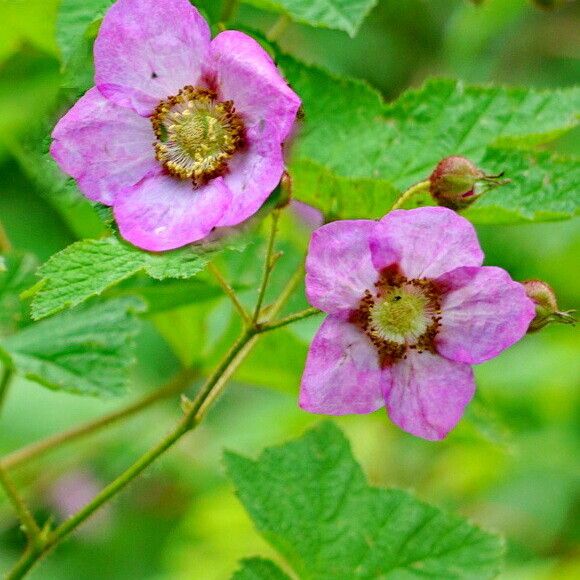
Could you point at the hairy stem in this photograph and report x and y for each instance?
(306, 313)
(268, 266)
(229, 8)
(5, 245)
(5, 381)
(278, 28)
(194, 412)
(176, 385)
(230, 293)
(421, 187)
(24, 514)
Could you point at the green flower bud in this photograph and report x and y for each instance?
(547, 310)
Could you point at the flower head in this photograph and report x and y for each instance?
(181, 133)
(410, 310)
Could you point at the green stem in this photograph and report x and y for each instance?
(228, 10)
(268, 265)
(7, 376)
(306, 313)
(278, 28)
(421, 187)
(28, 522)
(195, 411)
(230, 293)
(5, 245)
(176, 385)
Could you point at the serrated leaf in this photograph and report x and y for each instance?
(396, 145)
(87, 268)
(311, 501)
(346, 15)
(17, 275)
(87, 351)
(259, 569)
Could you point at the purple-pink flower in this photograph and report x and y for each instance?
(181, 133)
(410, 310)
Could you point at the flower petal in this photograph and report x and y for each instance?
(252, 175)
(483, 312)
(147, 50)
(425, 242)
(163, 212)
(106, 148)
(426, 394)
(339, 267)
(342, 373)
(247, 75)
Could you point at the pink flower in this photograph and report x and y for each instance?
(410, 309)
(182, 133)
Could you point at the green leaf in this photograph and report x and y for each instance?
(87, 351)
(73, 22)
(345, 15)
(310, 500)
(386, 148)
(259, 569)
(87, 268)
(17, 275)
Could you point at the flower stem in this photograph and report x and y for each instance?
(5, 245)
(268, 266)
(278, 28)
(421, 187)
(28, 522)
(306, 313)
(229, 8)
(195, 411)
(230, 293)
(176, 385)
(5, 381)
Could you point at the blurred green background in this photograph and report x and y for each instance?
(512, 465)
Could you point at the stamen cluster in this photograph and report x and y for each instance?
(402, 314)
(196, 134)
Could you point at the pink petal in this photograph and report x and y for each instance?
(425, 242)
(247, 75)
(105, 147)
(426, 394)
(163, 212)
(147, 50)
(342, 373)
(339, 267)
(252, 176)
(483, 312)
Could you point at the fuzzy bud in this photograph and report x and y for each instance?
(453, 182)
(547, 310)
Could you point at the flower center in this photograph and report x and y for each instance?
(196, 134)
(399, 315)
(402, 315)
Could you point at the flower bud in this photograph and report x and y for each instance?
(547, 310)
(453, 182)
(285, 190)
(456, 182)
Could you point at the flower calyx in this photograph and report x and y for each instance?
(547, 310)
(457, 182)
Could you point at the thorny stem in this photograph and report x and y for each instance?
(194, 412)
(228, 10)
(278, 28)
(24, 514)
(230, 293)
(421, 187)
(176, 385)
(268, 266)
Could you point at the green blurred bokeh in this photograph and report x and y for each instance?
(511, 466)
